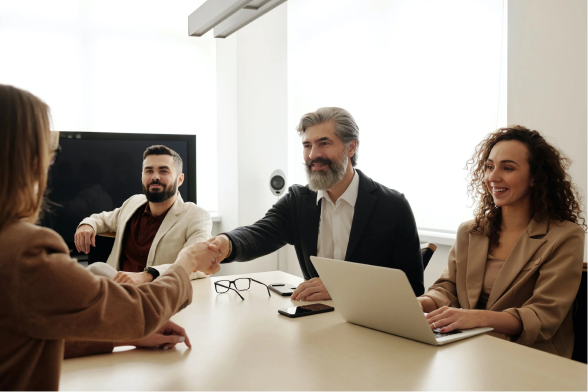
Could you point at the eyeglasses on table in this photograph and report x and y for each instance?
(241, 284)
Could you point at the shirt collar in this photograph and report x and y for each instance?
(147, 210)
(350, 194)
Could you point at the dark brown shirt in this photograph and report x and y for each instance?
(139, 234)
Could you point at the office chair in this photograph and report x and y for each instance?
(427, 251)
(579, 318)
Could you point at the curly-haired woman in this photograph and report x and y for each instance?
(516, 267)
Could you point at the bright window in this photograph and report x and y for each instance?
(423, 80)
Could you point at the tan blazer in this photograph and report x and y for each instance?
(184, 225)
(537, 283)
(46, 297)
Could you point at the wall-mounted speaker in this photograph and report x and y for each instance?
(277, 182)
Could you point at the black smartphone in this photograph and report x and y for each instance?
(305, 310)
(283, 289)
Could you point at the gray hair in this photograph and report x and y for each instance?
(345, 126)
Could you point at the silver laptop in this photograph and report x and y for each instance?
(381, 298)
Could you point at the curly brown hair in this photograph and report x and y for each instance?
(553, 197)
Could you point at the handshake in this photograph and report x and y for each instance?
(204, 256)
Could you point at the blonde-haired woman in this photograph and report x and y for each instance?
(516, 267)
(45, 296)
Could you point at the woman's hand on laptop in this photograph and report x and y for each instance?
(311, 290)
(449, 319)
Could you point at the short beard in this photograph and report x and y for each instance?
(322, 181)
(159, 197)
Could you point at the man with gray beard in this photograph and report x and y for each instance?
(341, 214)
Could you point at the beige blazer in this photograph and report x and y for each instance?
(184, 225)
(537, 283)
(46, 297)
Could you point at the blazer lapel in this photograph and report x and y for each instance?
(524, 249)
(310, 216)
(476, 267)
(170, 219)
(363, 209)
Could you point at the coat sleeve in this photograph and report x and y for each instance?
(444, 290)
(199, 229)
(407, 249)
(75, 349)
(266, 235)
(104, 221)
(55, 298)
(555, 289)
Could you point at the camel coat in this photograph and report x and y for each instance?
(537, 283)
(46, 297)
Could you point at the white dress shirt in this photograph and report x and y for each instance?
(335, 223)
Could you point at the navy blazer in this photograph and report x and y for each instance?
(383, 231)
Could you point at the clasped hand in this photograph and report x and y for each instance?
(200, 256)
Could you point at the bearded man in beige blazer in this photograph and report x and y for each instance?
(151, 229)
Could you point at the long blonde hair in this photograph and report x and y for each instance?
(25, 153)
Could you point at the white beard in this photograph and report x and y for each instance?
(319, 181)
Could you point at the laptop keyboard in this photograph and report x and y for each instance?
(439, 334)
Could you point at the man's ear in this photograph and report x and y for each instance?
(180, 179)
(351, 148)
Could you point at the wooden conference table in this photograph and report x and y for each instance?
(246, 345)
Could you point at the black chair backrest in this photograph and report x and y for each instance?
(427, 251)
(102, 250)
(579, 316)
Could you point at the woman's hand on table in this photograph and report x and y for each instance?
(166, 337)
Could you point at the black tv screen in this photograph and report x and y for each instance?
(97, 172)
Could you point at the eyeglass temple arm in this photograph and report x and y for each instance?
(230, 288)
(268, 290)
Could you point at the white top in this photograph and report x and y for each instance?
(335, 223)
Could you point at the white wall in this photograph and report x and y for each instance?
(547, 76)
(546, 84)
(102, 66)
(252, 125)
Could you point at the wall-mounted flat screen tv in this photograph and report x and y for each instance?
(98, 171)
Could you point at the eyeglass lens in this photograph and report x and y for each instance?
(222, 286)
(242, 284)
